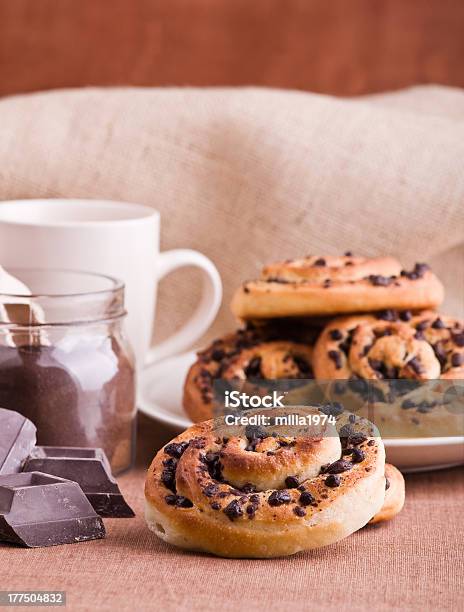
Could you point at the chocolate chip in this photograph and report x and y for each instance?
(233, 510)
(422, 325)
(379, 281)
(248, 487)
(333, 409)
(405, 315)
(251, 510)
(253, 369)
(456, 360)
(327, 283)
(255, 432)
(168, 478)
(176, 450)
(319, 262)
(357, 438)
(458, 339)
(291, 482)
(218, 355)
(348, 254)
(170, 500)
(438, 324)
(337, 467)
(336, 334)
(216, 506)
(299, 511)
(407, 404)
(440, 353)
(333, 480)
(277, 498)
(357, 456)
(415, 365)
(210, 490)
(371, 443)
(183, 502)
(387, 315)
(306, 498)
(336, 357)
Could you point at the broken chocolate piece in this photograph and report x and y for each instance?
(17, 439)
(41, 510)
(89, 467)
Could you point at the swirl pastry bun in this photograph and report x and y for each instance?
(390, 349)
(246, 354)
(259, 495)
(321, 286)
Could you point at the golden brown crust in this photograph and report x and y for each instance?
(320, 286)
(394, 495)
(192, 504)
(245, 354)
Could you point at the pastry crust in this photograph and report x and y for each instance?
(426, 349)
(321, 286)
(196, 497)
(394, 495)
(249, 354)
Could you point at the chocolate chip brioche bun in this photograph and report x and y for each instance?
(263, 494)
(263, 353)
(321, 286)
(389, 349)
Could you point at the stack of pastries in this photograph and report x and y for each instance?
(346, 320)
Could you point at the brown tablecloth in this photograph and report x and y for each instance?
(413, 563)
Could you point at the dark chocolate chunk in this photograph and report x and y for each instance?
(37, 509)
(17, 439)
(299, 511)
(90, 468)
(438, 324)
(408, 403)
(440, 353)
(333, 480)
(348, 254)
(170, 499)
(458, 339)
(233, 510)
(306, 498)
(216, 506)
(456, 360)
(255, 432)
(291, 482)
(248, 487)
(210, 490)
(319, 262)
(277, 498)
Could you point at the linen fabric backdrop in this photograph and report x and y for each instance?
(251, 175)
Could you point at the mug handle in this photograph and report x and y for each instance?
(206, 310)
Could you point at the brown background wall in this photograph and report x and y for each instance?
(344, 47)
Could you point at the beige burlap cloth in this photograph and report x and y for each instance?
(251, 175)
(247, 176)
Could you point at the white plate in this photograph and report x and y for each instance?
(160, 397)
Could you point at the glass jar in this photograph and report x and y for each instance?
(66, 364)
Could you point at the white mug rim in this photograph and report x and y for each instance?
(136, 213)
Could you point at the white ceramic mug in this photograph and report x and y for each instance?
(114, 238)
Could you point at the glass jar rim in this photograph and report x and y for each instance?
(90, 297)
